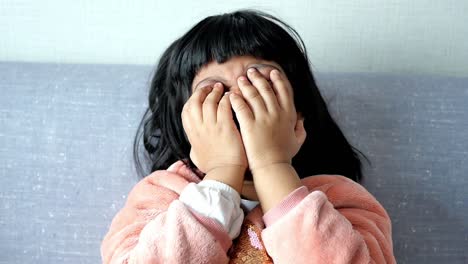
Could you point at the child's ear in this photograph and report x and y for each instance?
(299, 129)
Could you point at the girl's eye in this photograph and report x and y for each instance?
(214, 82)
(266, 74)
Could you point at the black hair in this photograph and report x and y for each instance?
(220, 37)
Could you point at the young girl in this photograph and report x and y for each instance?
(247, 165)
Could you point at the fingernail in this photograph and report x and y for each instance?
(251, 70)
(242, 78)
(275, 73)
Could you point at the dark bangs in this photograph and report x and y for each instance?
(245, 32)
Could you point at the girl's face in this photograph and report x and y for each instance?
(228, 72)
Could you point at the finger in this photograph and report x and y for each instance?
(189, 124)
(224, 110)
(241, 109)
(194, 104)
(283, 91)
(210, 105)
(264, 88)
(251, 96)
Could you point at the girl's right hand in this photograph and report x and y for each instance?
(214, 138)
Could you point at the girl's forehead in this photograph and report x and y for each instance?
(232, 68)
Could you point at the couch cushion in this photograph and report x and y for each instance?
(66, 134)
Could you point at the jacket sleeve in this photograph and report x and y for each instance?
(155, 227)
(337, 221)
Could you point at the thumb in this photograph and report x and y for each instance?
(194, 159)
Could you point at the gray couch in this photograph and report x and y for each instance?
(66, 134)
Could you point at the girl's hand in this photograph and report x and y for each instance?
(268, 121)
(272, 135)
(209, 125)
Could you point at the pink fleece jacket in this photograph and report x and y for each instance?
(330, 219)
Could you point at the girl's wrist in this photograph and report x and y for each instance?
(260, 170)
(268, 160)
(275, 182)
(231, 175)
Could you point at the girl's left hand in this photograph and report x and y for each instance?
(269, 124)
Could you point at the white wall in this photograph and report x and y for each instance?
(401, 36)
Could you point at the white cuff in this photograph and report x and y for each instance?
(215, 200)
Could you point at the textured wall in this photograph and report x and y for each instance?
(398, 36)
